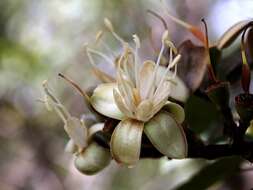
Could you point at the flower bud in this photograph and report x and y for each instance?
(93, 159)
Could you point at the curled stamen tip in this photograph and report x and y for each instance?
(165, 36)
(108, 24)
(137, 40)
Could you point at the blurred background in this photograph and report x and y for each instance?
(40, 38)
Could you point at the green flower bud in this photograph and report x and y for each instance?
(93, 159)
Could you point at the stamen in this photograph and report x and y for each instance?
(174, 62)
(76, 86)
(152, 79)
(193, 29)
(105, 57)
(127, 96)
(59, 108)
(109, 26)
(169, 44)
(45, 101)
(91, 60)
(175, 72)
(136, 60)
(159, 17)
(178, 21)
(99, 36)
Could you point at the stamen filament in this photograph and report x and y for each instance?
(109, 26)
(159, 17)
(99, 36)
(174, 62)
(178, 21)
(76, 86)
(136, 60)
(105, 57)
(152, 79)
(59, 108)
(128, 98)
(193, 29)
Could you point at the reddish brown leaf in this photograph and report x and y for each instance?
(192, 66)
(250, 41)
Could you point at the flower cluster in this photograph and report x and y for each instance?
(141, 97)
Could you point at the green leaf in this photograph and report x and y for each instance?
(212, 173)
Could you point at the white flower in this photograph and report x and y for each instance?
(137, 98)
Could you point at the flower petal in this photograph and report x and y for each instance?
(176, 110)
(143, 112)
(121, 104)
(126, 141)
(167, 135)
(77, 131)
(146, 73)
(93, 159)
(103, 101)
